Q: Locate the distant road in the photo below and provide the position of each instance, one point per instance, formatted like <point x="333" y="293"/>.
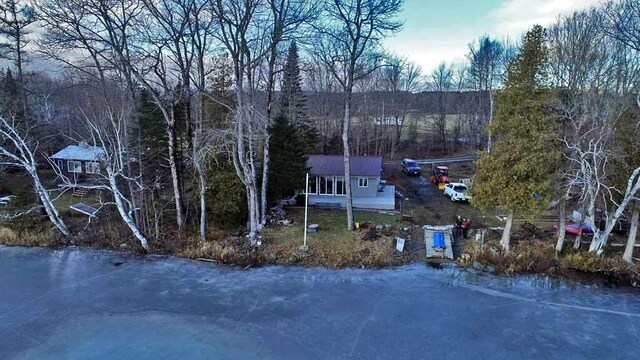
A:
<point x="440" y="160"/>
<point x="449" y="159"/>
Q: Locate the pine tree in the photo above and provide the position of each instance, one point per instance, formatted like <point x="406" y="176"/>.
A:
<point x="293" y="101"/>
<point x="16" y="18"/>
<point x="288" y="160"/>
<point x="9" y="95"/>
<point x="153" y="137"/>
<point x="515" y="176"/>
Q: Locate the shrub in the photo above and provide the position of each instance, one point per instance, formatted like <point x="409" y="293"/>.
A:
<point x="7" y="236"/>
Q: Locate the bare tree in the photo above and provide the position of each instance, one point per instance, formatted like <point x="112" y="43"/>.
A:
<point x="399" y="78"/>
<point x="286" y="17"/>
<point x="118" y="37"/>
<point x="350" y="48"/>
<point x="486" y="60"/>
<point x="16" y="150"/>
<point x="633" y="232"/>
<point x="240" y="34"/>
<point x="442" y="84"/>
<point x="594" y="73"/>
<point x="622" y="22"/>
<point x="106" y="114"/>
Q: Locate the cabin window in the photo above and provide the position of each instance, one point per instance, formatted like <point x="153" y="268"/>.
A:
<point x="74" y="166"/>
<point x="340" y="188"/>
<point x="313" y="185"/>
<point x="93" y="167"/>
<point x="326" y="185"/>
<point x="363" y="182"/>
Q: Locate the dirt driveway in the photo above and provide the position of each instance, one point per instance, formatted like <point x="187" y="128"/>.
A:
<point x="428" y="205"/>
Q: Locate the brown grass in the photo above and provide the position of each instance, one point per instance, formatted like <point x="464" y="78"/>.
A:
<point x="47" y="237"/>
<point x="540" y="257"/>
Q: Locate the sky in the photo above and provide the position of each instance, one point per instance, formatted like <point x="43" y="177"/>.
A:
<point x="440" y="30"/>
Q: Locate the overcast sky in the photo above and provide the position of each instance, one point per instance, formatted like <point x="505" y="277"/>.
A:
<point x="439" y="30"/>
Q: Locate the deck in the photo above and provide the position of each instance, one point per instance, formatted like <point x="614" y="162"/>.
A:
<point x="433" y="252"/>
<point x="385" y="200"/>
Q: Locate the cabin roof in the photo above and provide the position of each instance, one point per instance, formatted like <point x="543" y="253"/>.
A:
<point x="82" y="153"/>
<point x="334" y="165"/>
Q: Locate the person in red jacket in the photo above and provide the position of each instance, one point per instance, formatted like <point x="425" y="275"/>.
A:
<point x="466" y="223"/>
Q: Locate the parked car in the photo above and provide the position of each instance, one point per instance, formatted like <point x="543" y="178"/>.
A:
<point x="457" y="192"/>
<point x="411" y="167"/>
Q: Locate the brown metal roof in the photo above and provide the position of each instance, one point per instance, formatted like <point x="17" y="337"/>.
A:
<point x="334" y="165"/>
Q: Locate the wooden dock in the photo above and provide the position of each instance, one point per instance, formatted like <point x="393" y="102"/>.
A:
<point x="437" y="252"/>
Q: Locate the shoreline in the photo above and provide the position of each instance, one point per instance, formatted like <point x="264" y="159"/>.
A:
<point x="567" y="275"/>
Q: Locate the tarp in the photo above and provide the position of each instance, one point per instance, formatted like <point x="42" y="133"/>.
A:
<point x="438" y="239"/>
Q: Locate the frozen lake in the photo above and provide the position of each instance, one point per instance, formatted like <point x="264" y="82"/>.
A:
<point x="80" y="303"/>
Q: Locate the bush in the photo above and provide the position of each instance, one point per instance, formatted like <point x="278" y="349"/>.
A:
<point x="582" y="261"/>
<point x="8" y="236"/>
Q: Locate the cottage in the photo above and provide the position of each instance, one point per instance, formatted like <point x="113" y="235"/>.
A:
<point x="79" y="163"/>
<point x="327" y="186"/>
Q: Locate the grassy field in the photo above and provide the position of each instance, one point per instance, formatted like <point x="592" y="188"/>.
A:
<point x="423" y="124"/>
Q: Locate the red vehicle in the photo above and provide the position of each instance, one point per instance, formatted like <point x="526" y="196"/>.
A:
<point x="574" y="229"/>
<point x="440" y="175"/>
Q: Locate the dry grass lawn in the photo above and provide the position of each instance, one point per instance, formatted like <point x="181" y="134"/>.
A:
<point x="334" y="245"/>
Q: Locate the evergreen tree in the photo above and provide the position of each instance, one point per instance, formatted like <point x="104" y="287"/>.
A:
<point x="293" y="101"/>
<point x="226" y="196"/>
<point x="9" y="95"/>
<point x="515" y="176"/>
<point x="16" y="18"/>
<point x="153" y="137"/>
<point x="288" y="160"/>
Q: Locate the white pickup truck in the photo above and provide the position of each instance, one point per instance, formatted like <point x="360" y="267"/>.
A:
<point x="457" y="192"/>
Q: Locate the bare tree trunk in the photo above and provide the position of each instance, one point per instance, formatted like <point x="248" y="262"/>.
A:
<point x="177" y="195"/>
<point x="633" y="232"/>
<point x="347" y="159"/>
<point x="601" y="237"/>
<point x="576" y="242"/>
<point x="23" y="156"/>
<point x="490" y="120"/>
<point x="125" y="214"/>
<point x="265" y="181"/>
<point x="506" y="233"/>
<point x="203" y="203"/>
<point x="49" y="207"/>
<point x="562" y="218"/>
<point x="254" y="214"/>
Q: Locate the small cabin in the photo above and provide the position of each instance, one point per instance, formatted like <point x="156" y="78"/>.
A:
<point x="327" y="183"/>
<point x="79" y="163"/>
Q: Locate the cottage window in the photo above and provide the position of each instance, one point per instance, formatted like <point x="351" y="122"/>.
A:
<point x="340" y="188"/>
<point x="93" y="167"/>
<point x="74" y="166"/>
<point x="313" y="185"/>
<point x="363" y="182"/>
<point x="326" y="185"/>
